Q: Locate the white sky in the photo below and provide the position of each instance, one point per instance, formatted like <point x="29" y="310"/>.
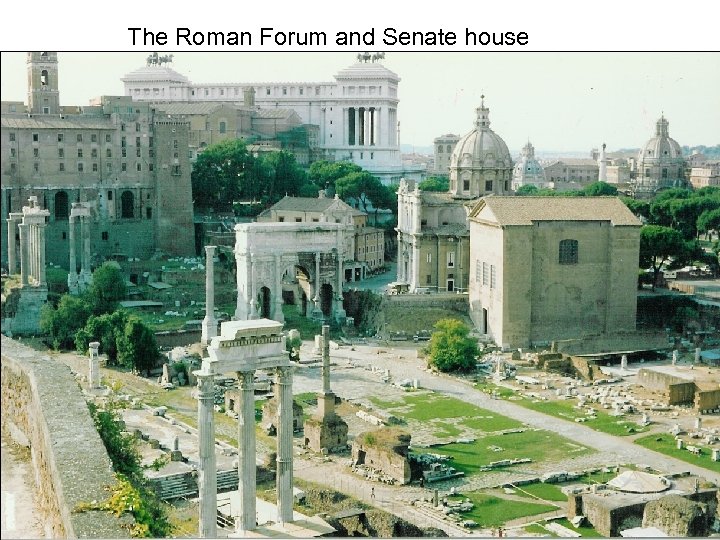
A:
<point x="561" y="101"/>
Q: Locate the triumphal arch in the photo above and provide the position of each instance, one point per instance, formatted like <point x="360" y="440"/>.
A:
<point x="270" y="256"/>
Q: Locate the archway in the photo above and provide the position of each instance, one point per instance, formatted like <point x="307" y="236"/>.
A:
<point x="62" y="206"/>
<point x="127" y="205"/>
<point x="264" y="302"/>
<point x="326" y="297"/>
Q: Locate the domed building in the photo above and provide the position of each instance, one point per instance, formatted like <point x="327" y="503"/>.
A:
<point x="528" y="171"/>
<point x="480" y="163"/>
<point x="433" y="230"/>
<point x="660" y="163"/>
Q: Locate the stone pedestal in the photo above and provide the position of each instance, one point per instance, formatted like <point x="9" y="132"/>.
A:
<point x="94" y="371"/>
<point x="27" y="316"/>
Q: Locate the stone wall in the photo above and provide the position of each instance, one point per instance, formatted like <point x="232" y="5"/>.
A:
<point x="613" y="342"/>
<point x="385" y="450"/>
<point x="456" y="302"/>
<point x="41" y="398"/>
<point x="706" y="400"/>
<point x="678" y="517"/>
<point x="177" y="338"/>
<point x="679" y="393"/>
<point x="657" y="380"/>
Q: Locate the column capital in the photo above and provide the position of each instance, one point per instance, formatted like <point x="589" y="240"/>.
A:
<point x="210" y="250"/>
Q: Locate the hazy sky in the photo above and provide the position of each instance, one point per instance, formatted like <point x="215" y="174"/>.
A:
<point x="560" y="101"/>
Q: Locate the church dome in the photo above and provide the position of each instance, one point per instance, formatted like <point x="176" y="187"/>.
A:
<point x="482" y="147"/>
<point x="660" y="162"/>
<point x="155" y="73"/>
<point x="528" y="170"/>
<point x="661" y="147"/>
<point x="480" y="163"/>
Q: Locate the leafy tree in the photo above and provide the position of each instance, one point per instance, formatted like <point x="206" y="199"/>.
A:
<point x="365" y="188"/>
<point x="451" y="348"/>
<point x="107" y="288"/>
<point x="285" y="176"/>
<point x="434" y="183"/>
<point x="106" y="329"/>
<point x="62" y="323"/>
<point x="659" y="245"/>
<point x="137" y="346"/>
<point x="527" y="189"/>
<point x="219" y="172"/>
<point x="600" y="189"/>
<point x="640" y="208"/>
<point x="324" y="174"/>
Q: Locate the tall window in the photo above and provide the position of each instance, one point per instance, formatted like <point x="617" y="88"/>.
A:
<point x="451" y="259"/>
<point x="127" y="205"/>
<point x="568" y="252"/>
<point x="492" y="276"/>
<point x="485" y="274"/>
<point x="62" y="205"/>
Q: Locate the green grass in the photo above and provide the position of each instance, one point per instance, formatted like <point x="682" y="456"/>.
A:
<point x="445" y="430"/>
<point x="585" y="531"/>
<point x="665" y="444"/>
<point x="489" y="388"/>
<point x="381" y="403"/>
<point x="604" y="422"/>
<point x="536" y="445"/>
<point x="534" y="528"/>
<point x="491" y="511"/>
<point x="546" y="492"/>
<point x="308" y="328"/>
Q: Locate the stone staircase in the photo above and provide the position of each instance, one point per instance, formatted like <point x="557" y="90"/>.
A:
<point x="183" y="485"/>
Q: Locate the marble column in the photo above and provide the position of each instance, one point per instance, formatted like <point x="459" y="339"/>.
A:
<point x="207" y="479"/>
<point x="209" y="324"/>
<point x="326" y="358"/>
<point x="42" y="279"/>
<point x="24" y="263"/>
<point x="94" y="372"/>
<point x="12" y="245"/>
<point x="278" y="312"/>
<point x="72" y="265"/>
<point x="284" y="473"/>
<point x="246" y="519"/>
<point x="252" y="311"/>
<point x="86" y="271"/>
<point x="339" y="310"/>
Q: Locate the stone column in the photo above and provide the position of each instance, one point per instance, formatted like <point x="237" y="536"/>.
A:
<point x="339" y="311"/>
<point x="209" y="324"/>
<point x="41" y="254"/>
<point x="207" y="479"/>
<point x="623" y="362"/>
<point x="674" y="357"/>
<point x="284" y="473"/>
<point x="278" y="312"/>
<point x="326" y="358"/>
<point x="72" y="265"/>
<point x="24" y="263"/>
<point x="94" y="375"/>
<point x="252" y="313"/>
<point x="87" y="273"/>
<point x="698" y="350"/>
<point x="246" y="519"/>
<point x="11" y="244"/>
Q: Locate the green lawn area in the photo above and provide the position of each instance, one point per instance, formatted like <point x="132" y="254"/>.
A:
<point x="308" y="328"/>
<point x="534" y="528"/>
<point x="665" y="444"/>
<point x="491" y="511"/>
<point x="585" y="531"/>
<point x="489" y="387"/>
<point x="566" y="410"/>
<point x="536" y="445"/>
<point x="424" y="406"/>
<point x="547" y="492"/>
<point x="445" y="430"/>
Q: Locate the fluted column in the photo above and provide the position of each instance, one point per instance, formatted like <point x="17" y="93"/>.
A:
<point x="12" y="245"/>
<point x="86" y="245"/>
<point x="209" y="324"/>
<point x="252" y="309"/>
<point x="24" y="263"/>
<point x="246" y="519"/>
<point x="284" y="483"/>
<point x="207" y="480"/>
<point x="41" y="254"/>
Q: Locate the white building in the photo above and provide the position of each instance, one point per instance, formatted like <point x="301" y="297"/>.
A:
<point x="356" y="113"/>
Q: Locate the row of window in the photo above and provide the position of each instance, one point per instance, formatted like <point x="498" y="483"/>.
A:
<point x="12" y="137"/>
<point x="485" y="274"/>
<point x="450" y="258"/>
<point x="127" y="206"/>
<point x="96" y="167"/>
<point x="93" y="153"/>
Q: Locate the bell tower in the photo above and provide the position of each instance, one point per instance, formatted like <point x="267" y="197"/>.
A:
<point x="43" y="88"/>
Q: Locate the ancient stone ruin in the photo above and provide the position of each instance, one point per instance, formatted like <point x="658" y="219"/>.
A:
<point x="383" y="455"/>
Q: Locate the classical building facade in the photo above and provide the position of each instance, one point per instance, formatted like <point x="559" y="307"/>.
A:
<point x="122" y="160"/>
<point x="571" y="173"/>
<point x="660" y="163"/>
<point x="707" y="175"/>
<point x="356" y="113"/>
<point x="528" y="171"/>
<point x="443" y="147"/>
<point x="552" y="268"/>
<point x="433" y="230"/>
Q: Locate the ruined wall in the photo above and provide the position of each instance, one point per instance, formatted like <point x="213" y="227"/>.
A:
<point x="610" y="521"/>
<point x="656" y="380"/>
<point x="385" y="450"/>
<point x="706" y="400"/>
<point x="620" y="341"/>
<point x="43" y="400"/>
<point x="683" y="392"/>
<point x="177" y="338"/>
<point x="678" y="516"/>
